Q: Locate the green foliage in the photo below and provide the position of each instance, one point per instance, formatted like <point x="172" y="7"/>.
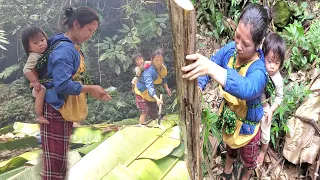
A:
<point x="291" y="101"/>
<point x="140" y="27"/>
<point x="215" y="15"/>
<point x="304" y="45"/>
<point x="122" y="106"/>
<point x="300" y="11"/>
<point x="9" y="70"/>
<point x="16" y="102"/>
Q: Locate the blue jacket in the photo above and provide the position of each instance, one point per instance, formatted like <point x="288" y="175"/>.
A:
<point x="63" y="62"/>
<point x="249" y="88"/>
<point x="146" y="80"/>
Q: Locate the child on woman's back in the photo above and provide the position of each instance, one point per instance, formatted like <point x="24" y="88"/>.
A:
<point x="34" y="41"/>
<point x="140" y="66"/>
<point x="274" y="49"/>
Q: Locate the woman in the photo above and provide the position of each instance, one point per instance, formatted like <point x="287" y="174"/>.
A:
<point x="240" y="71"/>
<point x="146" y="97"/>
<point x="66" y="94"/>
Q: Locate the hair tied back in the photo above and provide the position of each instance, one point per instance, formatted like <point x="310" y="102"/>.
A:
<point x="69" y="12"/>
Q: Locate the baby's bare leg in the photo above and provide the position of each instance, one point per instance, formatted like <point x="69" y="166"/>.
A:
<point x="39" y="106"/>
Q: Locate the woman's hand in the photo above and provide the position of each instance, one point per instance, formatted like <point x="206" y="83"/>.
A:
<point x="168" y="91"/>
<point x="202" y="66"/>
<point x="159" y="101"/>
<point x="99" y="93"/>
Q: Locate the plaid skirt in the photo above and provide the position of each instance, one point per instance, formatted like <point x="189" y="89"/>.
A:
<point x="146" y="107"/>
<point x="248" y="153"/>
<point x="55" y="138"/>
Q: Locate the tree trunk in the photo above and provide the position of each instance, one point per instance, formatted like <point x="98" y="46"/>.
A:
<point x="183" y="20"/>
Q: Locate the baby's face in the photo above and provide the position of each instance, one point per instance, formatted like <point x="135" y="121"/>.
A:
<point x="272" y="63"/>
<point x="139" y="61"/>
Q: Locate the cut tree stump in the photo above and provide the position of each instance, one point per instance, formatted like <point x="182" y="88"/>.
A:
<point x="183" y="21"/>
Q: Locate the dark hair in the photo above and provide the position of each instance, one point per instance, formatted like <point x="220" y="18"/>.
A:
<point x="30" y="32"/>
<point x="275" y="43"/>
<point x="258" y="17"/>
<point x="84" y="15"/>
<point x="156" y="53"/>
<point x="136" y="56"/>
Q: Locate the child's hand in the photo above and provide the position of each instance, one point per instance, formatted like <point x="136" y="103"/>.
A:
<point x="36" y="85"/>
<point x="159" y="101"/>
<point x="269" y="117"/>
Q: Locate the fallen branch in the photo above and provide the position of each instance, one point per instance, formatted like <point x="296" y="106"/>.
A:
<point x="308" y="120"/>
<point x="273" y="166"/>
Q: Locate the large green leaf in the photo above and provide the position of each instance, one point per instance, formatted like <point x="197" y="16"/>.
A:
<point x="11" y="173"/>
<point x="179" y="151"/>
<point x="131" y="121"/>
<point x="164" y="145"/>
<point x="121" y="148"/>
<point x="146" y="169"/>
<point x="121" y="172"/>
<point x="13" y="164"/>
<point x="27" y="156"/>
<point x="178" y="172"/>
<point x="86" y="149"/>
<point x="26" y="128"/>
<point x="6" y="129"/>
<point x="34" y="171"/>
<point x="19" y="143"/>
<point x="86" y="135"/>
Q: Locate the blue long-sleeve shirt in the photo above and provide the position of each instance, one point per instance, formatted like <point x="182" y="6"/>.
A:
<point x="146" y="80"/>
<point x="249" y="88"/>
<point x="63" y="62"/>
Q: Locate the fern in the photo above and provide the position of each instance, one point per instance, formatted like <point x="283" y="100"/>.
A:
<point x="9" y="70"/>
<point x="313" y="34"/>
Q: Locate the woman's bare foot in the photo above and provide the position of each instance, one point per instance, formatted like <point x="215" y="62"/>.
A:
<point x="42" y="119"/>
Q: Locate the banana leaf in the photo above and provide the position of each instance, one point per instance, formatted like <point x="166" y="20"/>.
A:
<point x="13" y="172"/>
<point x="26" y="128"/>
<point x="179" y="151"/>
<point x="131" y="121"/>
<point x="13" y="164"/>
<point x="6" y="129"/>
<point x="164" y="145"/>
<point x="19" y="143"/>
<point x="179" y="169"/>
<point x="34" y="171"/>
<point x="86" y="135"/>
<point x="121" y="148"/>
<point x="18" y="161"/>
<point x="146" y="169"/>
<point x="121" y="172"/>
<point x="86" y="149"/>
<point x="27" y="156"/>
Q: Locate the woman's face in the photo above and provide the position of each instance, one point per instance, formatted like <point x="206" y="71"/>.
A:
<point x="244" y="43"/>
<point x="157" y="61"/>
<point x="84" y="33"/>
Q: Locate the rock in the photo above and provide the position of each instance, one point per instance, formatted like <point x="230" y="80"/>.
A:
<point x="282" y="13"/>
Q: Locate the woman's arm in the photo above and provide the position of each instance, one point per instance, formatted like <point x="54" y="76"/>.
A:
<point x="62" y="71"/>
<point x="248" y="87"/>
<point x="218" y="59"/>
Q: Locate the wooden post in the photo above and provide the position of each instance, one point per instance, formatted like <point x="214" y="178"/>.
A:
<point x="183" y="21"/>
